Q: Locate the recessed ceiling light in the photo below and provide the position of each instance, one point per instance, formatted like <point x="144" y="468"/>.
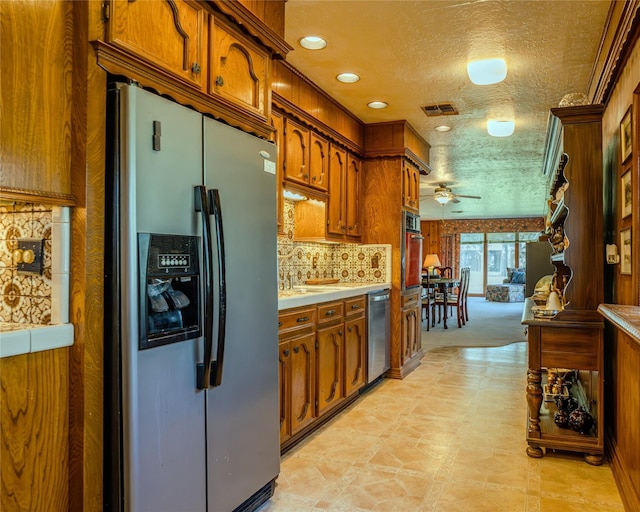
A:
<point x="488" y="71"/>
<point x="442" y="128"/>
<point x="377" y="104"/>
<point x="313" y="43"/>
<point x="499" y="128"/>
<point x="348" y="78"/>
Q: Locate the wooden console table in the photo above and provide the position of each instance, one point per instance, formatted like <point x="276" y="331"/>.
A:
<point x="572" y="340"/>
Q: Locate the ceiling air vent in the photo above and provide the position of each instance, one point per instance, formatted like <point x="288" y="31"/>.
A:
<point x="443" y="109"/>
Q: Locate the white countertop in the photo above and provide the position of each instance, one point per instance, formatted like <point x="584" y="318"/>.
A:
<point x="313" y="294"/>
<point x="16" y="339"/>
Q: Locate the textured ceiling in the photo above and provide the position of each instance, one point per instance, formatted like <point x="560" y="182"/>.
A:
<point x="414" y="53"/>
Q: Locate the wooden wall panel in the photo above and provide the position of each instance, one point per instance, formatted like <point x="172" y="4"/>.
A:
<point x="34" y="430"/>
<point x="431" y="232"/>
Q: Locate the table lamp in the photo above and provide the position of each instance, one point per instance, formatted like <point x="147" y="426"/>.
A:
<point x="430" y="262"/>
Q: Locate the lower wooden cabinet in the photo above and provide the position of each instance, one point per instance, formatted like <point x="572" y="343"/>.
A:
<point x="330" y="368"/>
<point x="322" y="356"/>
<point x="411" y="343"/>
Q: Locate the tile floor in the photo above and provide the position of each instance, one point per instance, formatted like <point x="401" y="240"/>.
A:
<point x="449" y="437"/>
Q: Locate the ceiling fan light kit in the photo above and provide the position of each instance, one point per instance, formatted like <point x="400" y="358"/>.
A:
<point x="487" y="71"/>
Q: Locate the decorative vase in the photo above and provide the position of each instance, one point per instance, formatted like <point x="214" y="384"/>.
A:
<point x="561" y="418"/>
<point x="566" y="403"/>
<point x="580" y="420"/>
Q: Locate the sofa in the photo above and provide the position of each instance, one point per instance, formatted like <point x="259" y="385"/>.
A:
<point x="511" y="289"/>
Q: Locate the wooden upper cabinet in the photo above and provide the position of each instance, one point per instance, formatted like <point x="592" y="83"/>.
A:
<point x="306" y="160"/>
<point x="35" y="101"/>
<point x="410" y="187"/>
<point x="336" y="215"/>
<point x="239" y="69"/>
<point x="169" y="34"/>
<point x="318" y="161"/>
<point x="353" y="193"/>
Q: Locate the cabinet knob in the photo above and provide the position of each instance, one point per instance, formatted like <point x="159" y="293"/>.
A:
<point x="219" y="81"/>
<point x="195" y="68"/>
<point x="286" y="352"/>
<point x="296" y="349"/>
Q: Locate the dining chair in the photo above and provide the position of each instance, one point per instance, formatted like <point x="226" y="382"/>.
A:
<point x="457" y="301"/>
<point x="428" y="299"/>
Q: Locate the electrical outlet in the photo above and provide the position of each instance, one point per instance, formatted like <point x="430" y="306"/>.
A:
<point x="374" y="262"/>
<point x="30" y="255"/>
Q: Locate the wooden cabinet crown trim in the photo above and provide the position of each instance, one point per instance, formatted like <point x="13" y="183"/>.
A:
<point x="287" y="108"/>
<point x="37" y="196"/>
<point x="119" y="62"/>
<point x="253" y="26"/>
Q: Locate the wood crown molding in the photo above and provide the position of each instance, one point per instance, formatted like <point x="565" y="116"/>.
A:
<point x="253" y="26"/>
<point x="621" y="31"/>
<point x="115" y="61"/>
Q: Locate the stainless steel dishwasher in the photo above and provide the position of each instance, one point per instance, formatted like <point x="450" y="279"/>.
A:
<point x="378" y="312"/>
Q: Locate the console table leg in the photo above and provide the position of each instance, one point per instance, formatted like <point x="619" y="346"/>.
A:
<point x="535" y="452"/>
<point x="534" y="400"/>
<point x="594" y="460"/>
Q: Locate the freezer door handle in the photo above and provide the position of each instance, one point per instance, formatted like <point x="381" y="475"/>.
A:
<point x="216" y="211"/>
<point x="202" y="206"/>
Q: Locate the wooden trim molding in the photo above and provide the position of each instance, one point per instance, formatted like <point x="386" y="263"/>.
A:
<point x="253" y="26"/>
<point x="621" y="31"/>
<point x="118" y="62"/>
<point x="36" y="196"/>
<point x="625" y="318"/>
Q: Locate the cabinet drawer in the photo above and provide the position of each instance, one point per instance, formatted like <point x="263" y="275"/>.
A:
<point x="330" y="312"/>
<point x="570" y="348"/>
<point x="293" y="320"/>
<point x="355" y="306"/>
<point x="410" y="300"/>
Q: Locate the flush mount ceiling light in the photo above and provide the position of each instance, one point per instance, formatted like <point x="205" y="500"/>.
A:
<point x="313" y="43"/>
<point x="348" y="78"/>
<point x="487" y="72"/>
<point x="442" y="128"/>
<point x="377" y="104"/>
<point x="498" y="128"/>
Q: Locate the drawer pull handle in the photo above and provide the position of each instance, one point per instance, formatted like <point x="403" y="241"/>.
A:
<point x="355" y="306"/>
<point x="331" y="312"/>
<point x="302" y="319"/>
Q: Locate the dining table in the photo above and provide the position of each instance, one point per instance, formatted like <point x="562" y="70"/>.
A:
<point x="443" y="285"/>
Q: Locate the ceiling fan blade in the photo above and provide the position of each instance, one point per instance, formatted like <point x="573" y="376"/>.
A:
<point x="454" y="200"/>
<point x="468" y="197"/>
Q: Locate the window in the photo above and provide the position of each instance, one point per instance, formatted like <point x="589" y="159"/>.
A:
<point x="489" y="254"/>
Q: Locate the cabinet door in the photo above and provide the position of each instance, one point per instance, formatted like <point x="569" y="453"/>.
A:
<point x="329" y="357"/>
<point x="336" y="224"/>
<point x="284" y="390"/>
<point x="318" y="161"/>
<point x="35" y="99"/>
<point x="169" y="34"/>
<point x="354" y="355"/>
<point x="296" y="158"/>
<point x="302" y="367"/>
<point x="354" y="185"/>
<point x="277" y="121"/>
<point x="239" y="69"/>
<point x="410" y="336"/>
<point x="410" y="186"/>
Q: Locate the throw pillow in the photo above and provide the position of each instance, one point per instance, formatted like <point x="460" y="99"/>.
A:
<point x="518" y="278"/>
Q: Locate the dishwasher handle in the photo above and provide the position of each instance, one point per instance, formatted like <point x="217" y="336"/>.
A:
<point x="376" y="298"/>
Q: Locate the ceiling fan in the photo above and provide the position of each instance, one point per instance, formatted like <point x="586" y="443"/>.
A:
<point x="443" y="194"/>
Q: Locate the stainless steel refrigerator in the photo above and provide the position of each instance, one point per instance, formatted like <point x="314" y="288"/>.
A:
<point x="191" y="355"/>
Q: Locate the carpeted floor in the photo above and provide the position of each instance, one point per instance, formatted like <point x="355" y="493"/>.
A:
<point x="491" y="324"/>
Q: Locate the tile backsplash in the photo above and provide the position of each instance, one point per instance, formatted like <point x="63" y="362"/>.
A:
<point x="351" y="263"/>
<point x="33" y="298"/>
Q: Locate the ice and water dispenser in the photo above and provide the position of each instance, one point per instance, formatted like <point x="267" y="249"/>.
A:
<point x="169" y="289"/>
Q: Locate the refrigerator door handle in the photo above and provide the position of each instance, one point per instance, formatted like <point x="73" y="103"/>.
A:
<point x="216" y="211"/>
<point x="204" y="368"/>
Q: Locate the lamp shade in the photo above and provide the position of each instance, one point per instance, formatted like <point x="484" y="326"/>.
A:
<point x="431" y="260"/>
